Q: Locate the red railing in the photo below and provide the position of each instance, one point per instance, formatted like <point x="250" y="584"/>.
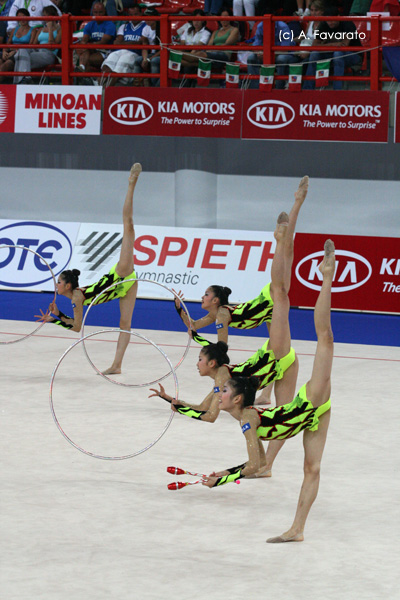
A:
<point x="373" y="45"/>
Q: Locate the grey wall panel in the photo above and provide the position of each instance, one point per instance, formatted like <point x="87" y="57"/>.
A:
<point x="219" y="156"/>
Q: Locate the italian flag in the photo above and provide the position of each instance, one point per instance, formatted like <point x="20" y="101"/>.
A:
<point x="174" y="64"/>
<point x="203" y="72"/>
<point x="267" y="77"/>
<point x="322" y="73"/>
<point x="232" y="75"/>
<point x="295" y="77"/>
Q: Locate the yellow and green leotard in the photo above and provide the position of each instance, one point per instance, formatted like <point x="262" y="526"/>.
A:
<point x="289" y="419"/>
<point x="92" y="291"/>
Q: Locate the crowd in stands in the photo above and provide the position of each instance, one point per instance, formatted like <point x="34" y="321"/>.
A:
<point x="192" y="33"/>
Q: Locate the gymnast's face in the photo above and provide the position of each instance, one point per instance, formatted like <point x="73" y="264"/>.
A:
<point x="204" y="366"/>
<point x="208" y="300"/>
<point x="226" y="398"/>
<point x="62" y="287"/>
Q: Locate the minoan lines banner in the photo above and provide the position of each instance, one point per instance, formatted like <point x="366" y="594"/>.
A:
<point x="50" y="109"/>
<point x="311" y="115"/>
<point x="174" y="112"/>
<point x="367" y="276"/>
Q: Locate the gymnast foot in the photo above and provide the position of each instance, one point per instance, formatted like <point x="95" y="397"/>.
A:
<point x="286" y="537"/>
<point x="263" y="472"/>
<point x="265" y="397"/>
<point x="281" y="226"/>
<point x="136" y="169"/>
<point x="327" y="267"/>
<point x="112" y="371"/>
<point x="302" y="190"/>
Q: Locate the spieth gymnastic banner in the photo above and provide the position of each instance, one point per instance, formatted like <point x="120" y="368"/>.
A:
<point x="21" y="267"/>
<point x="181" y="258"/>
<point x="58" y="109"/>
<point x="397" y="118"/>
<point x="7" y="108"/>
<point x="367" y="274"/>
<point x="172" y="112"/>
<point x="312" y="115"/>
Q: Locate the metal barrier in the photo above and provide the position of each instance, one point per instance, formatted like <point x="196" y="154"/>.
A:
<point x="373" y="46"/>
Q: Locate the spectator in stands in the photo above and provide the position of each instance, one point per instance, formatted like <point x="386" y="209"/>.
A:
<point x="115" y="6"/>
<point x="102" y="32"/>
<point x="4" y="11"/>
<point x="282" y="61"/>
<point x="195" y="33"/>
<point x="34" y="7"/>
<point x="213" y="7"/>
<point x="22" y="34"/>
<point x="301" y="11"/>
<point x="123" y="61"/>
<point x="246" y="6"/>
<point x="360" y="7"/>
<point x="28" y="60"/>
<point x="226" y="35"/>
<point x="283" y="37"/>
<point x="150" y="58"/>
<point x="346" y="36"/>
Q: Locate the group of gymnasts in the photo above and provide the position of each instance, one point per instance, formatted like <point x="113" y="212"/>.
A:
<point x="235" y="386"/>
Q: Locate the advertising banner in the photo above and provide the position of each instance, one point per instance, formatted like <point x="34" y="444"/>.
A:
<point x="367" y="276"/>
<point x="181" y="258"/>
<point x="58" y="109"/>
<point x="397" y="118"/>
<point x="324" y="116"/>
<point x="172" y="112"/>
<point x="7" y="108"/>
<point x="21" y="269"/>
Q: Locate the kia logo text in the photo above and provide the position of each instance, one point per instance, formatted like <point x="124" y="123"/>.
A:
<point x="270" y="114"/>
<point x="351" y="271"/>
<point x="131" y="111"/>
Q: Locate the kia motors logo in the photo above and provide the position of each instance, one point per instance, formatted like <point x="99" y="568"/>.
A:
<point x="130" y="111"/>
<point x="21" y="268"/>
<point x="270" y="114"/>
<point x="3" y="107"/>
<point x="352" y="271"/>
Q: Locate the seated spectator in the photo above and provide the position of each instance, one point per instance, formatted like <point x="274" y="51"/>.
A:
<point x="123" y="61"/>
<point x="27" y="60"/>
<point x="226" y="35"/>
<point x="255" y="59"/>
<point x="101" y="33"/>
<point x="317" y="8"/>
<point x="341" y="60"/>
<point x="35" y="9"/>
<point x="4" y="11"/>
<point x="150" y="58"/>
<point x="22" y="34"/>
<point x="193" y="33"/>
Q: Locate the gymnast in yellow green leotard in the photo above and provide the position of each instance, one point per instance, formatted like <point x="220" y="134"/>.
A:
<point x="68" y="284"/>
<point x="246" y="315"/>
<point x="308" y="412"/>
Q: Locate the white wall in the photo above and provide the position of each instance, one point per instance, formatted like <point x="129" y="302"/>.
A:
<point x="200" y="199"/>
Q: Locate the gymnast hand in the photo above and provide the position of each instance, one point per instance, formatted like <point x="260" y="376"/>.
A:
<point x="161" y="394"/>
<point x="210" y="481"/>
<point x="181" y="297"/>
<point x="54" y="309"/>
<point x="44" y="317"/>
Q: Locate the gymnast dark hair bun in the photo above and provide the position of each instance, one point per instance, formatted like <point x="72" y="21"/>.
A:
<point x="247" y="386"/>
<point x="76" y="272"/>
<point x="217" y="352"/>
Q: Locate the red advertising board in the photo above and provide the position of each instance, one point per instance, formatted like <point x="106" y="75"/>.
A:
<point x="311" y="115"/>
<point x="173" y="112"/>
<point x="397" y="118"/>
<point x="367" y="276"/>
<point x="7" y="108"/>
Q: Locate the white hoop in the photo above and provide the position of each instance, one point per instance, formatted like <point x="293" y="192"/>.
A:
<point x="75" y="445"/>
<point x="55" y="291"/>
<point x="150" y="382"/>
